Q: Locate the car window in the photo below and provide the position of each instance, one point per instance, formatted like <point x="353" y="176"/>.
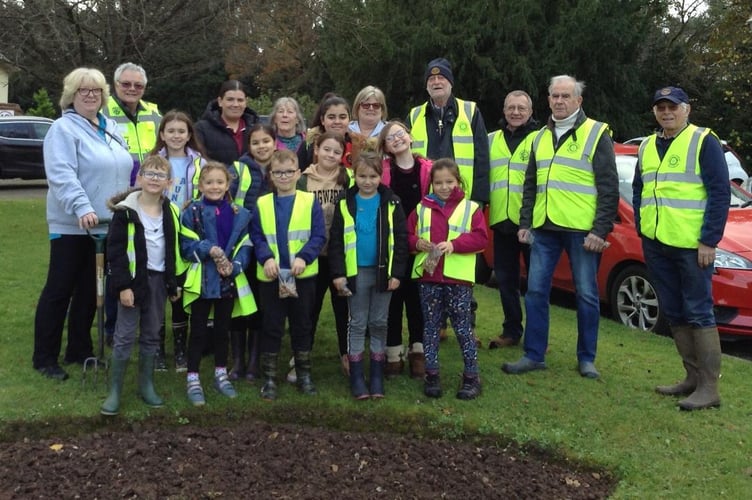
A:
<point x="40" y="129"/>
<point x="15" y="130"/>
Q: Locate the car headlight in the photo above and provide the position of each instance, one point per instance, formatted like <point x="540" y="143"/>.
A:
<point x="731" y="260"/>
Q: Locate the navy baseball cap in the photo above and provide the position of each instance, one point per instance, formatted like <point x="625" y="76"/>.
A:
<point x="673" y="94"/>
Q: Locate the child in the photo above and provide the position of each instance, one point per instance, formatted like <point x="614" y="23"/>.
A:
<point x="447" y="231"/>
<point x="214" y="238"/>
<point x="327" y="179"/>
<point x="288" y="233"/>
<point x="177" y="143"/>
<point x="409" y="177"/>
<point x="141" y="251"/>
<point x="244" y="332"/>
<point x="367" y="256"/>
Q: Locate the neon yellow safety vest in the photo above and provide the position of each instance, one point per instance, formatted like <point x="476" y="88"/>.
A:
<point x="507" y="176"/>
<point x="244" y="304"/>
<point x="244" y="184"/>
<point x="180" y="265"/>
<point x="140" y="136"/>
<point x="462" y="139"/>
<point x="298" y="232"/>
<point x="459" y="266"/>
<point x="350" y="238"/>
<point x="566" y="191"/>
<point x="673" y="195"/>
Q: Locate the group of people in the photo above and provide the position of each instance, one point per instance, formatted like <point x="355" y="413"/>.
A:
<point x="244" y="226"/>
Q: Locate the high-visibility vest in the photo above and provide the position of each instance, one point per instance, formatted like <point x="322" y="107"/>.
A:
<point x="140" y="136"/>
<point x="298" y="232"/>
<point x="244" y="180"/>
<point x="244" y="304"/>
<point x="462" y="139"/>
<point x="566" y="191"/>
<point x="507" y="176"/>
<point x="673" y="195"/>
<point x="459" y="266"/>
<point x="350" y="239"/>
<point x="130" y="249"/>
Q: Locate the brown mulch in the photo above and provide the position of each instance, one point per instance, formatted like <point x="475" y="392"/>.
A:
<point x="260" y="460"/>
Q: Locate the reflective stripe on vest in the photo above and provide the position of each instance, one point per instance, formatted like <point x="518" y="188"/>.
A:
<point x="673" y="195"/>
<point x="130" y="249"/>
<point x="181" y="265"/>
<point x="350" y="239"/>
<point x="196" y="194"/>
<point x="507" y="176"/>
<point x="462" y="139"/>
<point x="458" y="266"/>
<point x="566" y="191"/>
<point x="244" y="181"/>
<point x="140" y="136"/>
<point x="298" y="232"/>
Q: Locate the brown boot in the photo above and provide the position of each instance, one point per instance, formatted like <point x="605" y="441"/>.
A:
<point x="417" y="364"/>
<point x="708" y="352"/>
<point x="685" y="344"/>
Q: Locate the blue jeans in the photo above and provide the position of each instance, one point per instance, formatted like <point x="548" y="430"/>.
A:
<point x="683" y="287"/>
<point x="544" y="255"/>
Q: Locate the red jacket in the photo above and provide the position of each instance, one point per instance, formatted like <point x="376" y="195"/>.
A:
<point x="472" y="242"/>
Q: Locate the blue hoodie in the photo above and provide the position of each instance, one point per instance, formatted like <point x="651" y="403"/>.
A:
<point x="84" y="170"/>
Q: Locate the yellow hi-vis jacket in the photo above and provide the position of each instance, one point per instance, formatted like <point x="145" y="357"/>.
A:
<point x="507" y="176"/>
<point x="140" y="136"/>
<point x="566" y="192"/>
<point x="458" y="266"/>
<point x="350" y="239"/>
<point x="180" y="265"/>
<point x="673" y="195"/>
<point x="298" y="232"/>
<point x="462" y="139"/>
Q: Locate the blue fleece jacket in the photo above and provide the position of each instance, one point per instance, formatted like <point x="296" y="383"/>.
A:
<point x="84" y="168"/>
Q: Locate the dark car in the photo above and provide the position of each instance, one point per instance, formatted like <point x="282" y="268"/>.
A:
<point x="21" y="139"/>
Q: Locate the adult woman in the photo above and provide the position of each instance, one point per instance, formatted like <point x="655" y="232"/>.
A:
<point x="226" y="123"/>
<point x="86" y="161"/>
<point x="289" y="126"/>
<point x="369" y="111"/>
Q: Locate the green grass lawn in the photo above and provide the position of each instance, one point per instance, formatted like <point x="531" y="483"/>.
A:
<point x="617" y="422"/>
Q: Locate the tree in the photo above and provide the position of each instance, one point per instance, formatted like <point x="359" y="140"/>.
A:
<point x="42" y="105"/>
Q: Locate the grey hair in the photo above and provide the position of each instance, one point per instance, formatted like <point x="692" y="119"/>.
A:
<point x="519" y="93"/>
<point x="288" y="101"/>
<point x="129" y="66"/>
<point x="579" y="86"/>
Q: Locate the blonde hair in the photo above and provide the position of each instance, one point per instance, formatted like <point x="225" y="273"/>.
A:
<point x="73" y="81"/>
<point x="365" y="93"/>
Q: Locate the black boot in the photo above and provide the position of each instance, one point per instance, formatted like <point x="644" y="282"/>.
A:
<point x="470" y="388"/>
<point x="432" y="385"/>
<point x="303" y="370"/>
<point x="269" y="370"/>
<point x="180" y="334"/>
<point x="357" y="380"/>
<point x="252" y="369"/>
<point x="237" y="346"/>
<point x="160" y="360"/>
<point x="377" y="375"/>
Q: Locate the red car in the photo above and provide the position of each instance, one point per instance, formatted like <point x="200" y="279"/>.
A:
<point x="623" y="280"/>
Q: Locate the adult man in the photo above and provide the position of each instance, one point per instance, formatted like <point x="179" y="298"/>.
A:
<point x="448" y="127"/>
<point x="509" y="152"/>
<point x="569" y="198"/>
<point x="138" y="120"/>
<point x="681" y="201"/>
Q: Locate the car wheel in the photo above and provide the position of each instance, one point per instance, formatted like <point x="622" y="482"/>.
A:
<point x="634" y="301"/>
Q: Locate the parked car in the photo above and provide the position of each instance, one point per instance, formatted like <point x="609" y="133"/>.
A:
<point x="21" y="139"/>
<point x="737" y="173"/>
<point x="627" y="289"/>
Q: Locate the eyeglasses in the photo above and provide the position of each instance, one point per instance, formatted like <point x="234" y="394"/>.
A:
<point x="521" y="109"/>
<point x="135" y="85"/>
<point x="155" y="176"/>
<point x="370" y="105"/>
<point x="279" y="174"/>
<point x="83" y="92"/>
<point x="397" y="135"/>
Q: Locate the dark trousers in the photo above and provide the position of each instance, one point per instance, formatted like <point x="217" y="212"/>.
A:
<point x="71" y="289"/>
<point x="200" y="333"/>
<point x="405" y="298"/>
<point x="507" y="250"/>
<point x="298" y="311"/>
<point x="339" y="304"/>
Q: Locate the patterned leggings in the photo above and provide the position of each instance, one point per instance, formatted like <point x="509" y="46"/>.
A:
<point x="454" y="300"/>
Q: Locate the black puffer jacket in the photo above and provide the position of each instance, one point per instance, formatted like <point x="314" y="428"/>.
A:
<point x="217" y="139"/>
<point x="123" y="208"/>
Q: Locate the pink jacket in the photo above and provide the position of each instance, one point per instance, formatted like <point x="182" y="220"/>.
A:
<point x="425" y="173"/>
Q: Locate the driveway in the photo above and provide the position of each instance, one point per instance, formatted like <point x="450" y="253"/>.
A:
<point x="14" y="189"/>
